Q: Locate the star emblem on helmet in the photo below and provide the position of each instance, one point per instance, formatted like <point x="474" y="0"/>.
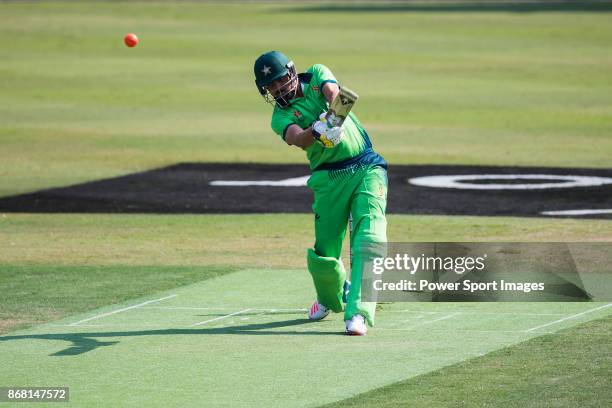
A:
<point x="266" y="70"/>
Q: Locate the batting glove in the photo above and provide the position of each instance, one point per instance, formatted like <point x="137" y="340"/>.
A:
<point x="333" y="120"/>
<point x="328" y="136"/>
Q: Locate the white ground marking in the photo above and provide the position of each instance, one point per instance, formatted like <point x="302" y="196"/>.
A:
<point x="578" y="212"/>
<point x="164" y="326"/>
<point x="121" y="310"/>
<point x="568" y="317"/>
<point x="558" y="181"/>
<point x="219" y="318"/>
<point x="419" y="322"/>
<point x="290" y="182"/>
<point x="447" y="330"/>
<point x="224" y="308"/>
<point x="413" y="311"/>
<point x="479" y="313"/>
<point x="186" y="308"/>
<point x="435" y="320"/>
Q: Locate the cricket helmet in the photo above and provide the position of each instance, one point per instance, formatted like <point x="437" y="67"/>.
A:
<point x="270" y="67"/>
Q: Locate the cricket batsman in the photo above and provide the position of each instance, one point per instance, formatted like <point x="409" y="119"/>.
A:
<point x="348" y="177"/>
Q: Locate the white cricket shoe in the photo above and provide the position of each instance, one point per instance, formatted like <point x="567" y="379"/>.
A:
<point x="317" y="311"/>
<point x="356" y="326"/>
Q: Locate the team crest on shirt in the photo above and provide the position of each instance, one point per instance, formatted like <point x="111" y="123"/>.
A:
<point x="315" y="88"/>
<point x="298" y="115"/>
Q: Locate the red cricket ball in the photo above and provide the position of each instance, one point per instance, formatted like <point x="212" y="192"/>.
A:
<point x="130" y="40"/>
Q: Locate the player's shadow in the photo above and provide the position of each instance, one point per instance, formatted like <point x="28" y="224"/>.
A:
<point x="467" y="6"/>
<point x="85" y="342"/>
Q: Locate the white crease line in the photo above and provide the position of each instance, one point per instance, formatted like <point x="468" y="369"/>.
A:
<point x="128" y="325"/>
<point x="423" y="323"/>
<point x="162" y="326"/>
<point x="479" y="313"/>
<point x="121" y="310"/>
<point x="412" y="311"/>
<point x="455" y="330"/>
<point x="272" y="309"/>
<point x="219" y="318"/>
<point x="568" y="317"/>
<point x="438" y="319"/>
<point x="185" y="308"/>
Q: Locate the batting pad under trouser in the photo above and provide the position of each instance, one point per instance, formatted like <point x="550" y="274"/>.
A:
<point x="362" y="191"/>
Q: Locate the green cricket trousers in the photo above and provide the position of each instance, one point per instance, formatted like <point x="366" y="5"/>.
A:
<point x="362" y="191"/>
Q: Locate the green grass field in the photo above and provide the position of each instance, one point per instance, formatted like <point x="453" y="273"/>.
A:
<point x="207" y="310"/>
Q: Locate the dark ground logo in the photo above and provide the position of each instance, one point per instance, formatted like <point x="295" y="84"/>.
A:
<point x="271" y="188"/>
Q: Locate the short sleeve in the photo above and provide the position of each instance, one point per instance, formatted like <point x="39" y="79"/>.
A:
<point x="322" y="75"/>
<point x="280" y="122"/>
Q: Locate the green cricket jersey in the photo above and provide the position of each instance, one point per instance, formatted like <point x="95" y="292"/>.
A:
<point x="355" y="148"/>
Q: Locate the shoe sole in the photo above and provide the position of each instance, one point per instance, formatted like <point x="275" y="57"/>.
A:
<point x="354" y="333"/>
<point x="320" y="318"/>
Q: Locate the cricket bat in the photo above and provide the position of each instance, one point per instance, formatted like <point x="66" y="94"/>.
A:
<point x="341" y="106"/>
